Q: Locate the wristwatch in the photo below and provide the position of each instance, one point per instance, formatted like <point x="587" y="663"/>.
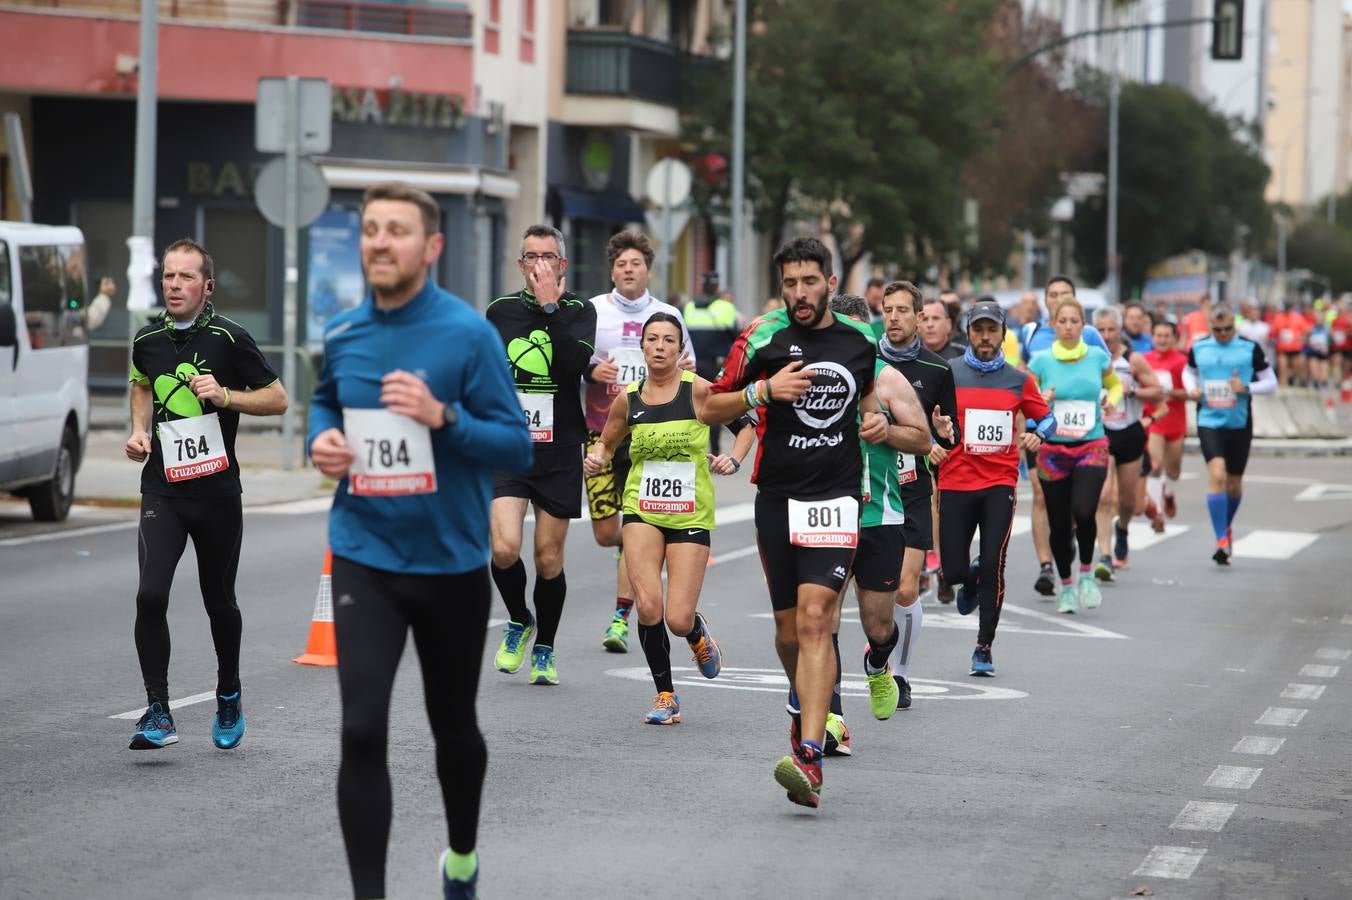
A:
<point x="449" y="416"/>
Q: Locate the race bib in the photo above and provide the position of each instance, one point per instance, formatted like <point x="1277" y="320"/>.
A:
<point x="192" y="448"/>
<point x="539" y="410"/>
<point x="633" y="367"/>
<point x="667" y="488"/>
<point x="1319" y="342"/>
<point x="1287" y="335"/>
<point x="1166" y="379"/>
<point x="987" y="430"/>
<point x="824" y="523"/>
<point x="1219" y="394"/>
<point x="906" y="472"/>
<point x="1074" y="418"/>
<point x="394" y="454"/>
<point x="1339" y="338"/>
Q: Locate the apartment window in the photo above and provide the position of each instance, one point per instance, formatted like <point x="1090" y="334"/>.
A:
<point x="492" y="26"/>
<point x="528" y="31"/>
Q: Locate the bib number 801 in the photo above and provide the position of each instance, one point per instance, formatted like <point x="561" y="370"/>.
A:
<point x="825" y="517"/>
<point x="387" y="452"/>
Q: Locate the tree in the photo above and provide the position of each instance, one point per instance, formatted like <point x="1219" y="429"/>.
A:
<point x="1186" y="182"/>
<point x="861" y="113"/>
<point x="1323" y="249"/>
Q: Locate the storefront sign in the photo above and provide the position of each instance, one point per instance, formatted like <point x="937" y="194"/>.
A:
<point x="334" y="277"/>
<point x="396" y="107"/>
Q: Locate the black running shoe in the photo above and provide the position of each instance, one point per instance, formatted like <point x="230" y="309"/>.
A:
<point x="904" y="686"/>
<point x="1046" y="582"/>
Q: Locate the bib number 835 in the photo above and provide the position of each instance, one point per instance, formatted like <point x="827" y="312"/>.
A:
<point x="387" y="452"/>
<point x="993" y="434"/>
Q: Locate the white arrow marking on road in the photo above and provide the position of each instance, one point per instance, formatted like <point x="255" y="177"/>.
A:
<point x="1332" y="653"/>
<point x="1259" y="746"/>
<point x="1203" y="815"/>
<point x="851" y="685"/>
<point x="1313" y="671"/>
<point x="1326" y="492"/>
<point x="135" y="714"/>
<point x="1237" y="778"/>
<point x="1267" y="544"/>
<point x="1170" y="862"/>
<point x="938" y="616"/>
<point x="1284" y="716"/>
<point x="1347" y="620"/>
<point x="1303" y="691"/>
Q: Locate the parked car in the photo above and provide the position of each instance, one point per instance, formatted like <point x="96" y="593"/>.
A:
<point x="44" y="364"/>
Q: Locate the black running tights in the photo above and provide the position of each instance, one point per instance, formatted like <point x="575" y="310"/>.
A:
<point x="961" y="513"/>
<point x="1072" y="503"/>
<point x="216" y="526"/>
<point x="373" y="612"/>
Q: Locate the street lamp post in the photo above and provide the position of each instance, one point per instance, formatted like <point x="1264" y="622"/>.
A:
<point x="735" y="249"/>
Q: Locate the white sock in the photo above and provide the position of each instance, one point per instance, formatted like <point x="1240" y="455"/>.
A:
<point x="908" y="619"/>
<point x="1154" y="487"/>
<point x="1173" y="487"/>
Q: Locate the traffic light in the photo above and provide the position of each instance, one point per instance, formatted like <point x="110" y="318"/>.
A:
<point x="1227" y="30"/>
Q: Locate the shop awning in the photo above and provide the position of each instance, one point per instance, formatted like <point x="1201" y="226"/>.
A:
<point x="600" y="206"/>
<point x="359" y="175"/>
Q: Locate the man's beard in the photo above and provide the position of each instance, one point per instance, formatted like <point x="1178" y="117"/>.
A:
<point x="818" y="314"/>
<point x="985" y="354"/>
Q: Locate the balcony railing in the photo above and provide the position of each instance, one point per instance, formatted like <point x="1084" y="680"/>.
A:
<point x="453" y="22"/>
<point x="619" y="64"/>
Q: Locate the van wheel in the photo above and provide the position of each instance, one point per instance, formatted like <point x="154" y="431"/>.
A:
<point x="50" y="501"/>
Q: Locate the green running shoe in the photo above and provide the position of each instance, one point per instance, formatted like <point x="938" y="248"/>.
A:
<point x="883" y="694"/>
<point x="542" y="669"/>
<point x="617" y="635"/>
<point x="512" y="650"/>
<point x="1090" y="595"/>
<point x="837" y="737"/>
<point x="1069" y="598"/>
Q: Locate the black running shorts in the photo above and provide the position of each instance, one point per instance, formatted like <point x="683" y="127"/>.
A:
<point x="672" y="535"/>
<point x="786" y="565"/>
<point x="919" y="528"/>
<point x="553" y="484"/>
<point x="877" y="565"/>
<point x="1126" y="445"/>
<point x="1230" y="444"/>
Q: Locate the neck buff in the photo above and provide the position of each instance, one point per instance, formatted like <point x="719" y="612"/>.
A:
<point x="1077" y="352"/>
<point x="982" y="365"/>
<point x="899" y="354"/>
<point x="631" y="306"/>
<point x="177" y="329"/>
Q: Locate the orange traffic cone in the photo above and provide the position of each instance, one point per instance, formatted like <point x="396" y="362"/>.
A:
<point x="322" y="648"/>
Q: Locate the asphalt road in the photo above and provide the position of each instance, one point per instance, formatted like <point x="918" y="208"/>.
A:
<point x="1104" y="757"/>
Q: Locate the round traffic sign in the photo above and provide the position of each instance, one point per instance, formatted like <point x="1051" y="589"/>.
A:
<point x="669" y="182"/>
<point x="270" y="192"/>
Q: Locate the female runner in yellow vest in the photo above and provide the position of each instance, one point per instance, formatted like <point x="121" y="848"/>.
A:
<point x="668" y="505"/>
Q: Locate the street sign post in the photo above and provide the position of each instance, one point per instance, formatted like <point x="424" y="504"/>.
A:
<point x="668" y="186"/>
<point x="303" y="106"/>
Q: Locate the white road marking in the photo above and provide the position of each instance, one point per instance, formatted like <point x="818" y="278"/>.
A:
<point x="1268" y="544"/>
<point x="1170" y="862"/>
<point x="135" y="714"/>
<point x="1140" y="535"/>
<point x="73" y="532"/>
<point x="1284" y="716"/>
<point x="1022" y="525"/>
<point x="1347" y="620"/>
<point x="294" y="507"/>
<point x="1259" y="746"/>
<point x="494" y="623"/>
<point x="1204" y="815"/>
<point x="739" y="553"/>
<point x="1296" y="691"/>
<point x="1236" y="670"/>
<point x="1238" y="778"/>
<point x="773" y="681"/>
<point x="1332" y="653"/>
<point x="1314" y="671"/>
<point x="1325" y="492"/>
<point x="940" y="616"/>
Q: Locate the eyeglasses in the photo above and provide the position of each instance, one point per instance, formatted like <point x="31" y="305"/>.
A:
<point x="533" y="258"/>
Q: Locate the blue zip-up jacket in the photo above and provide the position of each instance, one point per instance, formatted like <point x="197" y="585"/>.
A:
<point x="442" y="340"/>
<point x="1214" y="361"/>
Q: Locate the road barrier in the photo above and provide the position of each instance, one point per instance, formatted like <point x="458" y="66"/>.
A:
<point x="1290" y="413"/>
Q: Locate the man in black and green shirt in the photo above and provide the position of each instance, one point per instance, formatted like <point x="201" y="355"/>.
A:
<point x="193" y="372"/>
<point x="550" y="335"/>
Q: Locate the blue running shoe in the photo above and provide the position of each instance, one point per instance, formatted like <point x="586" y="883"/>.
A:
<point x="454" y="888"/>
<point x="967" y="599"/>
<point x="982" y="664"/>
<point x="707" y="654"/>
<point x="155" y="729"/>
<point x="227" y="729"/>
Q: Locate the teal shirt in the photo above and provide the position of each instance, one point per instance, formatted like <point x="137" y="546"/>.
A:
<point x="1081" y="380"/>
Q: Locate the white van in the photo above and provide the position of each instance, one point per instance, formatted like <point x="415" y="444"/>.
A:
<point x="44" y="364"/>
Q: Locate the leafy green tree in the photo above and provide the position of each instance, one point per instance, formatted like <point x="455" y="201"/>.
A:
<point x="1187" y="181"/>
<point x="1323" y="249"/>
<point x="860" y="113"/>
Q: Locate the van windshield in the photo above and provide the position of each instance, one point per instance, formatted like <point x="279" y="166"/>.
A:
<point x="4" y="274"/>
